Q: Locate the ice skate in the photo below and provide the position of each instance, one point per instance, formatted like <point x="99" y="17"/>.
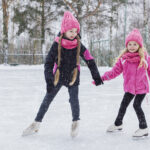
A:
<point x="140" y="133"/>
<point x="114" y="128"/>
<point x="32" y="129"/>
<point x="74" y="129"/>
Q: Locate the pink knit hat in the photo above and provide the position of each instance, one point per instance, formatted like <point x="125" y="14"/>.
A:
<point x="69" y="22"/>
<point x="136" y="36"/>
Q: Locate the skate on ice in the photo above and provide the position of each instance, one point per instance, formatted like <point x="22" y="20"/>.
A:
<point x="32" y="129"/>
<point x="74" y="128"/>
<point x="114" y="128"/>
<point x="140" y="133"/>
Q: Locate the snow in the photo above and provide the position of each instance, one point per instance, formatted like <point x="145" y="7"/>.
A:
<point x="22" y="89"/>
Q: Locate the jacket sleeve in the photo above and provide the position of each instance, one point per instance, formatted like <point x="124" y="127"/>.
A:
<point x="89" y="60"/>
<point x="114" y="72"/>
<point x="49" y="63"/>
<point x="148" y="69"/>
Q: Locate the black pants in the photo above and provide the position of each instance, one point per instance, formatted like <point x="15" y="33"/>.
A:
<point x="74" y="102"/>
<point x="137" y="107"/>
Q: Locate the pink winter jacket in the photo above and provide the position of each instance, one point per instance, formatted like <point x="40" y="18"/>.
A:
<point x="136" y="80"/>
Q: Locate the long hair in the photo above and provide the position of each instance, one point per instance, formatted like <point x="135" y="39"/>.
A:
<point x="141" y="51"/>
<point x="75" y="71"/>
<point x="56" y="78"/>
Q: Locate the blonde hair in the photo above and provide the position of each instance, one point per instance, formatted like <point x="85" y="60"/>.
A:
<point x="141" y="51"/>
<point x="75" y="71"/>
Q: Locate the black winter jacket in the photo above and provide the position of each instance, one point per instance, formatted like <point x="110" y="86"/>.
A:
<point x="68" y="63"/>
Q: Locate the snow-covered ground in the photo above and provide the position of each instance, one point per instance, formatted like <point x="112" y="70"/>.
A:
<point x="22" y="89"/>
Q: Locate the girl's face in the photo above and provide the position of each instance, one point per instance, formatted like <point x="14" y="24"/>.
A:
<point x="71" y="34"/>
<point x="133" y="46"/>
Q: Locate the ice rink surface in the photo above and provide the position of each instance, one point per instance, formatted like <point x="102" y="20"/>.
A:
<point x="22" y="89"/>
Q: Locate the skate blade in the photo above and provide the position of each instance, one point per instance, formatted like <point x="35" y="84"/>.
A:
<point x="115" y="131"/>
<point x="145" y="136"/>
<point x="73" y="135"/>
<point x="28" y="134"/>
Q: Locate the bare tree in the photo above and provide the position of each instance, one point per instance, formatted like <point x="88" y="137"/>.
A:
<point x="145" y="23"/>
<point x="83" y="8"/>
<point x="6" y="16"/>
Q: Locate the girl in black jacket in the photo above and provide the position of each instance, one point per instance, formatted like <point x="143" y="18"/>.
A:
<point x="62" y="67"/>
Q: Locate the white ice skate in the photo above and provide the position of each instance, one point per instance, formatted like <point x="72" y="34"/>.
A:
<point x="114" y="128"/>
<point x="141" y="133"/>
<point x="33" y="128"/>
<point x="74" y="128"/>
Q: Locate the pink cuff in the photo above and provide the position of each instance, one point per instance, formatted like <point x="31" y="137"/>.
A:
<point x="87" y="55"/>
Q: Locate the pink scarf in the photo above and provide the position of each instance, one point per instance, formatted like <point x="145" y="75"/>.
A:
<point x="67" y="43"/>
<point x="131" y="57"/>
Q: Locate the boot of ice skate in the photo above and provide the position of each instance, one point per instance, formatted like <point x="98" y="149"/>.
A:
<point x="74" y="128"/>
<point x="32" y="129"/>
<point x="114" y="128"/>
<point x="141" y="133"/>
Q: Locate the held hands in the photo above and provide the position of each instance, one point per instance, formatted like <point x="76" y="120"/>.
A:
<point x="93" y="82"/>
<point x="98" y="82"/>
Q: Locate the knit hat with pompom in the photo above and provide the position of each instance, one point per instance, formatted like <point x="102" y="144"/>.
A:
<point x="136" y="36"/>
<point x="69" y="22"/>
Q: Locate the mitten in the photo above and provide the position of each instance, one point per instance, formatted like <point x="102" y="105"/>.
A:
<point x="98" y="81"/>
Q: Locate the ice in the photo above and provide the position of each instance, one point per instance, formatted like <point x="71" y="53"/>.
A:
<point x="22" y="89"/>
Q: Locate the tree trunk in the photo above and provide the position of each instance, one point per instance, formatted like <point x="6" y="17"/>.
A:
<point x="43" y="29"/>
<point x="5" y="28"/>
<point x="43" y="23"/>
<point x="145" y="21"/>
<point x="111" y="26"/>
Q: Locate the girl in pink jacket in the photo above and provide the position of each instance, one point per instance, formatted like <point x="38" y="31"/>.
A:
<point x="133" y="63"/>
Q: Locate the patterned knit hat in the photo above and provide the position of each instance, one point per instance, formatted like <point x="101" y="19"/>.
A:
<point x="69" y="22"/>
<point x="136" y="36"/>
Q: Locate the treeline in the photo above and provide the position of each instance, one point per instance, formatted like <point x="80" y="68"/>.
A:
<point x="28" y="27"/>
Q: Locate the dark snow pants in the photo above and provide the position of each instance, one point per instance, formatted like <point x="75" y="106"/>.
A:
<point x="137" y="107"/>
<point x="74" y="102"/>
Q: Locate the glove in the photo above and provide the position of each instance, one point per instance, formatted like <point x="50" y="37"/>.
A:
<point x="98" y="81"/>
